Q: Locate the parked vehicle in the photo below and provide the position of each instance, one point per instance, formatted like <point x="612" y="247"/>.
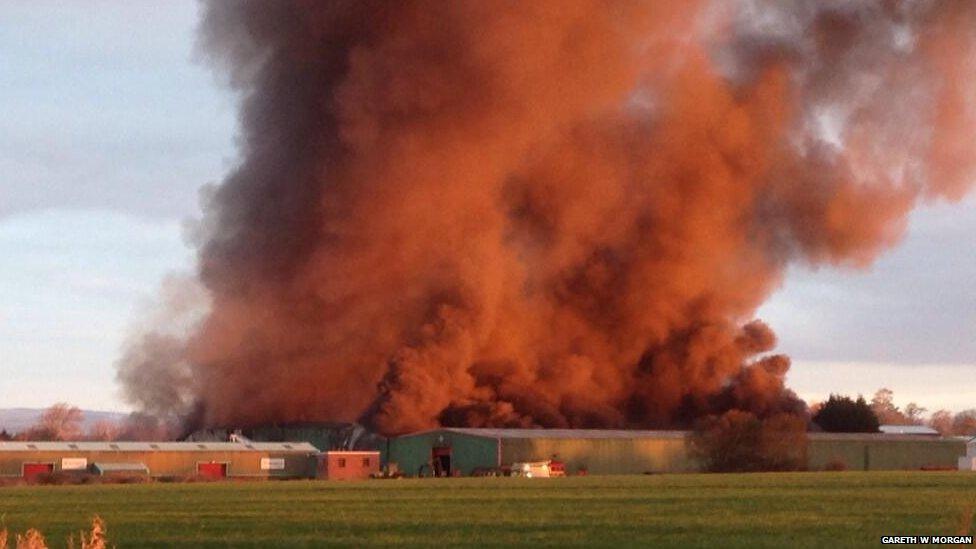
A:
<point x="532" y="469"/>
<point x="557" y="469"/>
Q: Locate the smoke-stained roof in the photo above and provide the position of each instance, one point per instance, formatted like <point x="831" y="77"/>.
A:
<point x="557" y="433"/>
<point x="29" y="446"/>
<point x="632" y="434"/>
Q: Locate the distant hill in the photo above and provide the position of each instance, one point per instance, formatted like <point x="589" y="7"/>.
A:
<point x="15" y="420"/>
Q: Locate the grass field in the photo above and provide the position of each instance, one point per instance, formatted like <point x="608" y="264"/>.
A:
<point x="784" y="509"/>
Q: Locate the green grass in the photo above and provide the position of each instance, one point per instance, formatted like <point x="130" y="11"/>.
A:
<point x="774" y="510"/>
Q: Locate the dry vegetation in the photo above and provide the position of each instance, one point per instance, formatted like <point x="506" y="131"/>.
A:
<point x="34" y="539"/>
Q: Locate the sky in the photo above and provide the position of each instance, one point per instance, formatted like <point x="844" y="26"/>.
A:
<point x="110" y="124"/>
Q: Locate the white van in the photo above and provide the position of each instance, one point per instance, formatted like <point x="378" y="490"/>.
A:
<point x="531" y="469"/>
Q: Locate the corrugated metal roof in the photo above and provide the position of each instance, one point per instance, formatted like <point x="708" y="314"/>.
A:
<point x="908" y="430"/>
<point x="131" y="467"/>
<point x="28" y="446"/>
<point x="558" y="433"/>
<point x="633" y="434"/>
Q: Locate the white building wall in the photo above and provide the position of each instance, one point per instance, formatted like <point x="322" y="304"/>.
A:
<point x="968" y="462"/>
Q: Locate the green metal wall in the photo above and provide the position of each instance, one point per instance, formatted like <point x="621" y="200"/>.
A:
<point x="608" y="456"/>
<point x="598" y="456"/>
<point x="411" y="452"/>
<point x="876" y="455"/>
<point x="604" y="456"/>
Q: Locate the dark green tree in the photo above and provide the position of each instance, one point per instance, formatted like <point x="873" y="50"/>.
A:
<point x="841" y="414"/>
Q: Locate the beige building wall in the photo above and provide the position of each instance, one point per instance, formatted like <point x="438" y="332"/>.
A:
<point x="170" y="463"/>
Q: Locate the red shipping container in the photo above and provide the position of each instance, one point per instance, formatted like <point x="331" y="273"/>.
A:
<point x="339" y="465"/>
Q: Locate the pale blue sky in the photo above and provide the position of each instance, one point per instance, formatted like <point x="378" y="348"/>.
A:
<point x="108" y="126"/>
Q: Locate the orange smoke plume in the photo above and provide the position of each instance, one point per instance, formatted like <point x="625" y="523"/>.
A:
<point x="551" y="213"/>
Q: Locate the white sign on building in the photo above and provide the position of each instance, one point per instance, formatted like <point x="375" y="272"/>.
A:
<point x="272" y="464"/>
<point x="74" y="464"/>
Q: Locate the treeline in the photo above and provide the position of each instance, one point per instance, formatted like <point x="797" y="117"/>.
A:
<point x="741" y="441"/>
<point x="848" y="415"/>
<point x="64" y="422"/>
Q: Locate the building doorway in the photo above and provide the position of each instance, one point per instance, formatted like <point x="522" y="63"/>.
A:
<point x="441" y="460"/>
<point x="34" y="470"/>
<point x="212" y="470"/>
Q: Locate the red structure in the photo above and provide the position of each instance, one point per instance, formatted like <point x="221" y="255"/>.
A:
<point x="34" y="470"/>
<point x="338" y="465"/>
<point x="212" y="470"/>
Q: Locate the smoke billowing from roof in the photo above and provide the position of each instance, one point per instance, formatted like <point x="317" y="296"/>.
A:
<point x="550" y="213"/>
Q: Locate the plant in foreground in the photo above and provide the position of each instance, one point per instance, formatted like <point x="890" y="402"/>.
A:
<point x="33" y="539"/>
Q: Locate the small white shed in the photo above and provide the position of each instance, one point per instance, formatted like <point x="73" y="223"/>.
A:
<point x="968" y="462"/>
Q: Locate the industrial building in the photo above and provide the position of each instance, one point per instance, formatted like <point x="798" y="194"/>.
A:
<point x="448" y="452"/>
<point x="879" y="452"/>
<point x="244" y="459"/>
<point x="350" y="465"/>
<point x="452" y="451"/>
<point x="323" y="435"/>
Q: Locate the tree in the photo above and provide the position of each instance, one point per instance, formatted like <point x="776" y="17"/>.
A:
<point x="739" y="441"/>
<point x="964" y="424"/>
<point x="883" y="406"/>
<point x="913" y="413"/>
<point x="941" y="421"/>
<point x="4" y="435"/>
<point x="840" y="414"/>
<point x="104" y="430"/>
<point x="59" y="422"/>
<point x="783" y="443"/>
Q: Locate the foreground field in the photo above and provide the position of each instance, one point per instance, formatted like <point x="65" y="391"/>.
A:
<point x="786" y="509"/>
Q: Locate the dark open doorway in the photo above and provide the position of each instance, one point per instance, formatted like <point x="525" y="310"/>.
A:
<point x="441" y="460"/>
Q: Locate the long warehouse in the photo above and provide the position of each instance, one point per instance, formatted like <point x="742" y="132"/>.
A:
<point x="451" y="451"/>
<point x="30" y="460"/>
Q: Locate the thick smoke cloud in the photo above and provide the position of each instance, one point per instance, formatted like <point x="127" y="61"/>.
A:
<point x="551" y="213"/>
